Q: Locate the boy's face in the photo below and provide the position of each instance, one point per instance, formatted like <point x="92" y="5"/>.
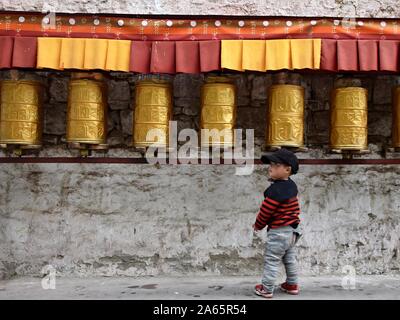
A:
<point x="279" y="170"/>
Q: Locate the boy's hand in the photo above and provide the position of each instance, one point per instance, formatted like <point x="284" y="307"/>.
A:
<point x="254" y="228"/>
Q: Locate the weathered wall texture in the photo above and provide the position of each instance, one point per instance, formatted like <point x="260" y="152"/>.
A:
<point x="142" y="220"/>
<point x="99" y="219"/>
<point x="322" y="8"/>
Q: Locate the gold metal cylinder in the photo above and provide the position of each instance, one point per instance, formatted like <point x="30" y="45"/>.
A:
<point x="218" y="112"/>
<point x="87" y="112"/>
<point x="153" y="111"/>
<point x="396" y="117"/>
<point x="348" y="119"/>
<point x="285" y="116"/>
<point x="21" y="116"/>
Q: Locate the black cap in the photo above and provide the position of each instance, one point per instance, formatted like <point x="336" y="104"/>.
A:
<point x="282" y="156"/>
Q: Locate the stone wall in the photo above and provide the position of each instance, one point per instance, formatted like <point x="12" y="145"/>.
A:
<point x="134" y="220"/>
<point x="327" y="8"/>
<point x="143" y="219"/>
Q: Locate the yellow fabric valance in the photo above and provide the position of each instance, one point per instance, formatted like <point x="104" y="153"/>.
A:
<point x="72" y="61"/>
<point x="86" y="54"/>
<point x="278" y="55"/>
<point x="118" y="55"/>
<point x="263" y="55"/>
<point x="306" y="53"/>
<point x="231" y="54"/>
<point x="253" y="57"/>
<point x="48" y="53"/>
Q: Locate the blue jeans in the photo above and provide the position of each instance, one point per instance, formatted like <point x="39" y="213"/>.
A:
<point x="280" y="246"/>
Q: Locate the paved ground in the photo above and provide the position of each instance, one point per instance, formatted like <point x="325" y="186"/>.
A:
<point x="214" y="288"/>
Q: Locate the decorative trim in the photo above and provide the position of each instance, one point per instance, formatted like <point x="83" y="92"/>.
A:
<point x="193" y="27"/>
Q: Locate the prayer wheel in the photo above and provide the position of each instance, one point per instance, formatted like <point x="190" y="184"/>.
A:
<point x="348" y="120"/>
<point x="285" y="116"/>
<point x="87" y="112"/>
<point x="21" y="115"/>
<point x="396" y="118"/>
<point x="218" y="112"/>
<point x="153" y="111"/>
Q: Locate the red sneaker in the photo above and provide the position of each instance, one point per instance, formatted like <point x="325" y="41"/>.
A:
<point x="290" y="288"/>
<point x="260" y="291"/>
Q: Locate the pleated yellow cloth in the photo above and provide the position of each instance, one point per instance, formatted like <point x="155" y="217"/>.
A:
<point x="231" y="54"/>
<point x="253" y="57"/>
<point x="95" y="54"/>
<point x="118" y="55"/>
<point x="72" y="53"/>
<point x="263" y="55"/>
<point x="83" y="54"/>
<point x="48" y="53"/>
<point x="277" y="54"/>
<point x="305" y="53"/>
<point x="317" y="43"/>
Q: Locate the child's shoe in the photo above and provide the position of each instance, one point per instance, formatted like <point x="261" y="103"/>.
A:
<point x="290" y="288"/>
<point x="260" y="291"/>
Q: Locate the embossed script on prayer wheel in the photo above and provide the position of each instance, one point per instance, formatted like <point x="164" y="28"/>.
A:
<point x="153" y="111"/>
<point x="218" y="113"/>
<point x="348" y="122"/>
<point x="396" y="118"/>
<point x="285" y="116"/>
<point x="87" y="112"/>
<point x="21" y="117"/>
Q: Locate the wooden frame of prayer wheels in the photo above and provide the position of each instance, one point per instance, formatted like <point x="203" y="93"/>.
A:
<point x="153" y="111"/>
<point x="21" y="113"/>
<point x="285" y="116"/>
<point x="218" y="112"/>
<point x="87" y="112"/>
<point x="396" y="118"/>
<point x="348" y="119"/>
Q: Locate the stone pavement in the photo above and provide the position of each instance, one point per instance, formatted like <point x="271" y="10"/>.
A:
<point x="197" y="288"/>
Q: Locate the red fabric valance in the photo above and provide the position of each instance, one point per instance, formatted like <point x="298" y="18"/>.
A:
<point x="18" y="52"/>
<point x="360" y="55"/>
<point x="175" y="56"/>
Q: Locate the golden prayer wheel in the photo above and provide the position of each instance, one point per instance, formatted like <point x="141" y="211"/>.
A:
<point x="348" y="119"/>
<point x="153" y="111"/>
<point x="396" y="118"/>
<point x="285" y="116"/>
<point x="21" y="116"/>
<point x="87" y="112"/>
<point x="218" y="112"/>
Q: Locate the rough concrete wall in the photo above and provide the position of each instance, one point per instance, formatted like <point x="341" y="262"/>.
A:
<point x="328" y="8"/>
<point x="146" y="220"/>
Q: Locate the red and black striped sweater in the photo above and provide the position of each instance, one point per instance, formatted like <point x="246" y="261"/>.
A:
<point x="280" y="206"/>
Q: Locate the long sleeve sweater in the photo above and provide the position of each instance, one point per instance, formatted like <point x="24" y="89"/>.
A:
<point x="280" y="206"/>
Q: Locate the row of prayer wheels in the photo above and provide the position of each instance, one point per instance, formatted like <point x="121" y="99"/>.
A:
<point x="21" y="114"/>
<point x="348" y="117"/>
<point x="153" y="111"/>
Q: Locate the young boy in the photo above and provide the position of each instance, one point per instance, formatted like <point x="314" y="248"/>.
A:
<point x="280" y="211"/>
